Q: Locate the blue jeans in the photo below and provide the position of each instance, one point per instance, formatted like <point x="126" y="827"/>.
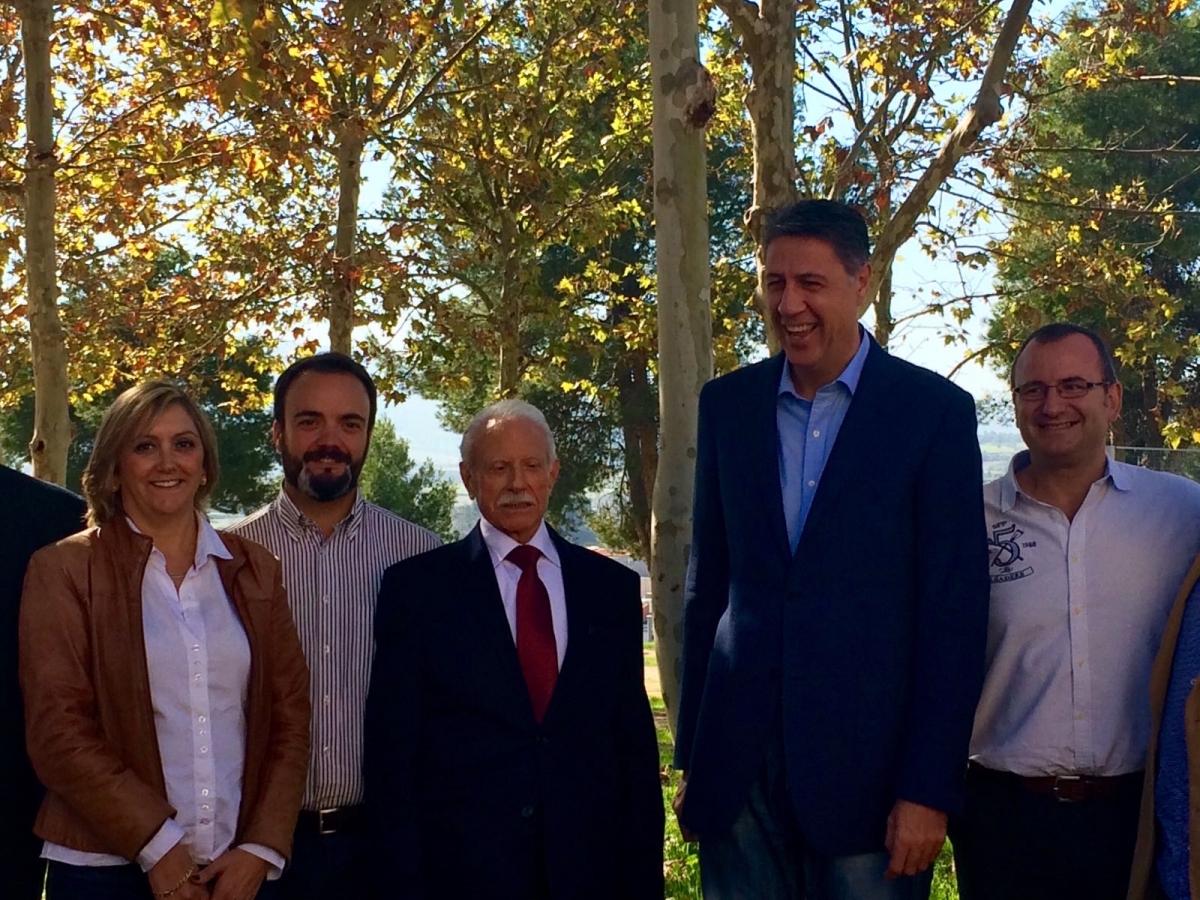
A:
<point x="765" y="857"/>
<point x="67" y="882"/>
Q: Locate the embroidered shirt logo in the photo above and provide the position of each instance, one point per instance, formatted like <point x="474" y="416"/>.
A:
<point x="1005" y="548"/>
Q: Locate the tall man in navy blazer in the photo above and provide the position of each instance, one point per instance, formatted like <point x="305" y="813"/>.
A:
<point x="836" y="600"/>
<point x="510" y="750"/>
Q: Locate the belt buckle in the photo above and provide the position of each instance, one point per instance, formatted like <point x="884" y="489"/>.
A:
<point x="321" y="827"/>
<point x="1060" y="780"/>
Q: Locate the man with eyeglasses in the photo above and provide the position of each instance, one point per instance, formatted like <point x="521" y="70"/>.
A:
<point x="1086" y="556"/>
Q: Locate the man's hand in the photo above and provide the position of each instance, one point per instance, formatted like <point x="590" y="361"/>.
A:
<point x="915" y="835"/>
<point x="238" y="875"/>
<point x="677" y="804"/>
<point x="171" y="874"/>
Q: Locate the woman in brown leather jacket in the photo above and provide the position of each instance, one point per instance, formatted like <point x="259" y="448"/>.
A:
<point x="166" y="694"/>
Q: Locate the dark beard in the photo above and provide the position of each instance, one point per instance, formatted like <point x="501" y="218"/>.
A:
<point x="322" y="488"/>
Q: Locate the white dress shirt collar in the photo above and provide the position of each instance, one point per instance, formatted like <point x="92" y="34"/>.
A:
<point x="208" y="542"/>
<point x="1116" y="473"/>
<point x="500" y="544"/>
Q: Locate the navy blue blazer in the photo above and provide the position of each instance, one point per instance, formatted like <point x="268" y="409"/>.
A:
<point x="34" y="514"/>
<point x="865" y="647"/>
<point x="468" y="794"/>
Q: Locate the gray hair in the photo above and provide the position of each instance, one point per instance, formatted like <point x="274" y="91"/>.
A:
<point x="504" y="411"/>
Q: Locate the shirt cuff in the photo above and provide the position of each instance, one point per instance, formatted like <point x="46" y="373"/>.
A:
<point x="170" y="834"/>
<point x="267" y="855"/>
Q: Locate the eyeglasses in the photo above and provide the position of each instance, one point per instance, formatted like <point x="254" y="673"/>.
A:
<point x="1068" y="389"/>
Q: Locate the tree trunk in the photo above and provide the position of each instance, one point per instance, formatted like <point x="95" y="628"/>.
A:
<point x="345" y="271"/>
<point x="883" y="312"/>
<point x="1149" y="402"/>
<point x="509" y="333"/>
<point x="986" y="111"/>
<point x="51" y="423"/>
<point x="683" y="102"/>
<point x="635" y="399"/>
<point x="767" y="32"/>
<point x="885" y="323"/>
<point x="637" y="402"/>
<point x="508" y="315"/>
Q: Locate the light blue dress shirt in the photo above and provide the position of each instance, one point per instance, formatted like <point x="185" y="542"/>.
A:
<point x="807" y="431"/>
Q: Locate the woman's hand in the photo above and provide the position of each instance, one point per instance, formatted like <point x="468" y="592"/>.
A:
<point x="169" y="876"/>
<point x="235" y="875"/>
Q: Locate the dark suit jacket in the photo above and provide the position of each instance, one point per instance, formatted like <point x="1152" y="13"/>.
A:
<point x="865" y="649"/>
<point x="469" y="795"/>
<point x="32" y="515"/>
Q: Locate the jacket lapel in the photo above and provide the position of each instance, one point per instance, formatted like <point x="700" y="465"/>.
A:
<point x="121" y="565"/>
<point x="577" y="595"/>
<point x="762" y="452"/>
<point x="247" y="612"/>
<point x="870" y="404"/>
<point x="485" y="611"/>
<point x="255" y="618"/>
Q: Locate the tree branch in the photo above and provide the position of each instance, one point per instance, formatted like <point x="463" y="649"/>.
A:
<point x="1128" y="151"/>
<point x="1170" y="79"/>
<point x="454" y="57"/>
<point x="985" y="112"/>
<point x="743" y="15"/>
<point x="981" y="354"/>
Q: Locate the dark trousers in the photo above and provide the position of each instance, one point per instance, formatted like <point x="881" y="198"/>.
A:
<point x="1014" y="844"/>
<point x="22" y="870"/>
<point x="765" y="857"/>
<point x="323" y="867"/>
<point x="67" y="882"/>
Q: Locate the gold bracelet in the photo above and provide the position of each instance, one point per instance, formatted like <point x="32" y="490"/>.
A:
<point x="182" y="881"/>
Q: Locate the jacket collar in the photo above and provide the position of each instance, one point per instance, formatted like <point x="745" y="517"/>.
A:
<point x="121" y="542"/>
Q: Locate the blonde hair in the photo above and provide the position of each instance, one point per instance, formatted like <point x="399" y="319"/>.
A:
<point x="129" y="415"/>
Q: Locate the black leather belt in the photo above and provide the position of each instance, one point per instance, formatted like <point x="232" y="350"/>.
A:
<point x="1066" y="788"/>
<point x="345" y="819"/>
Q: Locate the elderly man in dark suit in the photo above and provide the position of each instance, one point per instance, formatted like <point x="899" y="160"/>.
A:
<point x="34" y="514"/>
<point x="510" y="749"/>
<point x="836" y="600"/>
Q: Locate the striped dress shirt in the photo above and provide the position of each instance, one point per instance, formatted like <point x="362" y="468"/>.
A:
<point x="332" y="585"/>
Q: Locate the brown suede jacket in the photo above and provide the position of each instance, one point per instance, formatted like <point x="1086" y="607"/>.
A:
<point x="89" y="721"/>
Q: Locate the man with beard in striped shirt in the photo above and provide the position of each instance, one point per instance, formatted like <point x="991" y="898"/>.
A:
<point x="334" y="546"/>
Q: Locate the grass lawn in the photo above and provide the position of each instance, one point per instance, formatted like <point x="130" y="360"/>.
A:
<point x="681" y="866"/>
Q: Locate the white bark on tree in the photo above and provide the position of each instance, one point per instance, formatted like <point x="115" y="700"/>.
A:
<point x="767" y="34"/>
<point x="985" y="112"/>
<point x="51" y="421"/>
<point x="683" y="103"/>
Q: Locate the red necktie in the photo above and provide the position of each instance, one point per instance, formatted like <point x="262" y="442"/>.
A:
<point x="535" y="630"/>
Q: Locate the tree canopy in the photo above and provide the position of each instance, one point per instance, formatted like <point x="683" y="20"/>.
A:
<point x="393" y="479"/>
<point x="1103" y="197"/>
